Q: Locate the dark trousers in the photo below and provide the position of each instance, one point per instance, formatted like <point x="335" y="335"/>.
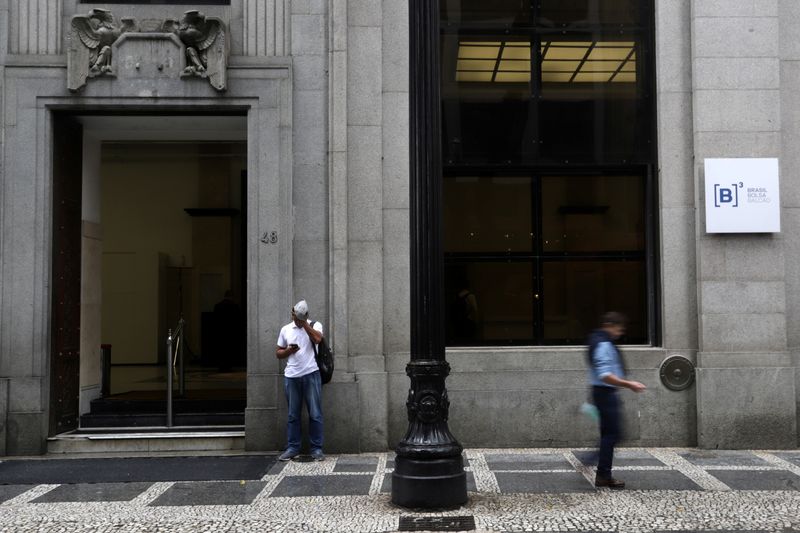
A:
<point x="306" y="389"/>
<point x="607" y="402"/>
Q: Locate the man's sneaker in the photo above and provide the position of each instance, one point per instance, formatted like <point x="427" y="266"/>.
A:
<point x="318" y="456"/>
<point x="609" y="482"/>
<point x="288" y="455"/>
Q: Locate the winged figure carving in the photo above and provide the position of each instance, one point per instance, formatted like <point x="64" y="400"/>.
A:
<point x="206" y="47"/>
<point x="170" y="25"/>
<point x="90" y="40"/>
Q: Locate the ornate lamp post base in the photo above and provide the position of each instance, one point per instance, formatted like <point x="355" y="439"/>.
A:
<point x="428" y="470"/>
<point x="429" y="483"/>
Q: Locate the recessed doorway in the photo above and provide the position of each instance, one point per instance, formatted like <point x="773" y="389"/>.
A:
<point x="162" y="248"/>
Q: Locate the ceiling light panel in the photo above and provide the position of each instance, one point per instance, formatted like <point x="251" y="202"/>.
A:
<point x="562" y="61"/>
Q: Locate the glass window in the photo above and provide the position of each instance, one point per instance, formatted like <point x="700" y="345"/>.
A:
<point x="544" y="13"/>
<point x="548" y="146"/>
<point x="588" y="12"/>
<point x="486" y="12"/>
<point x="563" y="247"/>
<point x="489" y="302"/>
<point x="593" y="214"/>
<point x="588" y="99"/>
<point x="488" y="215"/>
<point x="486" y="102"/>
<point x="576" y="293"/>
<point x="594" y="102"/>
<point x="163" y="2"/>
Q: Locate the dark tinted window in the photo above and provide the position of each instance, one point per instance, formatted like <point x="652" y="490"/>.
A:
<point x="593" y="214"/>
<point x="164" y="2"/>
<point x="486" y="97"/>
<point x="575" y="293"/>
<point x="543" y="13"/>
<point x="595" y="102"/>
<point x="486" y="12"/>
<point x="489" y="301"/>
<point x="589" y="12"/>
<point x="539" y="94"/>
<point x="538" y="258"/>
<point x="488" y="214"/>
<point x="548" y="148"/>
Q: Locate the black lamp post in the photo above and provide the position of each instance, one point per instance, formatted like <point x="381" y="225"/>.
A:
<point x="429" y="470"/>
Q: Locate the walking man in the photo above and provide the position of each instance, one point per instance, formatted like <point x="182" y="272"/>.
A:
<point x="301" y="381"/>
<point x="607" y="374"/>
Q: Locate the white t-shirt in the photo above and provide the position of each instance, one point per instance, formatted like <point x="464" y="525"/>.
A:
<point x="301" y="362"/>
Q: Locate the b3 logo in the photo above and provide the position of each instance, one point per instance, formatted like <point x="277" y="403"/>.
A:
<point x="727" y="196"/>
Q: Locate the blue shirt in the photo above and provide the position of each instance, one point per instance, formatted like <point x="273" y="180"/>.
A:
<point x="605" y="361"/>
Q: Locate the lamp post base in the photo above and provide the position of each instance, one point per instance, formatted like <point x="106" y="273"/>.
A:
<point x="429" y="483"/>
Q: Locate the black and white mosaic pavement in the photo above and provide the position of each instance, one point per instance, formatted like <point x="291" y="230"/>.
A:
<point x="676" y="490"/>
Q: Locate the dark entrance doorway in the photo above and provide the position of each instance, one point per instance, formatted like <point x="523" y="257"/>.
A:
<point x="148" y="233"/>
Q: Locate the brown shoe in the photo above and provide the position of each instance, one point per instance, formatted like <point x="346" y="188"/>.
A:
<point x="609" y="482"/>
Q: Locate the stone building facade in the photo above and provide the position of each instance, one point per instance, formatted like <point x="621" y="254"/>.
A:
<point x="318" y="90"/>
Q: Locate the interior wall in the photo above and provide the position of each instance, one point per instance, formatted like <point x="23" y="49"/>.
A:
<point x="91" y="313"/>
<point x="91" y="281"/>
<point x="154" y="250"/>
<point x="145" y="190"/>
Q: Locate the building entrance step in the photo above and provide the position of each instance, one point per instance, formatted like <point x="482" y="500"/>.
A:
<point x="204" y="401"/>
<point x="117" y="420"/>
<point x="148" y="439"/>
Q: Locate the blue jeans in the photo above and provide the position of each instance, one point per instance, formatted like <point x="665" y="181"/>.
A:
<point x="306" y="388"/>
<point x="605" y="398"/>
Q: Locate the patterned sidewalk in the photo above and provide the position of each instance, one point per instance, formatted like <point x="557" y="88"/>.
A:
<point x="510" y="490"/>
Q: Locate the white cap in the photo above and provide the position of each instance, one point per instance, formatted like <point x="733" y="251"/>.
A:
<point x="301" y="310"/>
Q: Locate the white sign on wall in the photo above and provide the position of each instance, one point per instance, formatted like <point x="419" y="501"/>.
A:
<point x="742" y="196"/>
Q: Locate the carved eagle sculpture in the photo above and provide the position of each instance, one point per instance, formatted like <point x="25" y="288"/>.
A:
<point x="90" y="40"/>
<point x="206" y="47"/>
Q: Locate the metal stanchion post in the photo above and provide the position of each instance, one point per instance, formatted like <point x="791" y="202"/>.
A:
<point x="105" y="362"/>
<point x="182" y="374"/>
<point x="169" y="378"/>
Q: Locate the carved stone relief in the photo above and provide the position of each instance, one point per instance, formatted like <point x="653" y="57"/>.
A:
<point x="96" y="39"/>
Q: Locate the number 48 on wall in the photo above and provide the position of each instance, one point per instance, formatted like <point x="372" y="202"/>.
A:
<point x="270" y="237"/>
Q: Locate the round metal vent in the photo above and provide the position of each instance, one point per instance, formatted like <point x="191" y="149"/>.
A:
<point x="677" y="372"/>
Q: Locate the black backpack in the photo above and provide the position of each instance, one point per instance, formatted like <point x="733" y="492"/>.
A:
<point x="324" y="357"/>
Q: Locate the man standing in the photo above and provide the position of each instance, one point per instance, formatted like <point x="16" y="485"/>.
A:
<point x="607" y="374"/>
<point x="301" y="381"/>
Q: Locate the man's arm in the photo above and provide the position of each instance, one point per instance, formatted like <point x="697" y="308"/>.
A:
<point x="283" y="353"/>
<point x="635" y="386"/>
<point x="313" y="334"/>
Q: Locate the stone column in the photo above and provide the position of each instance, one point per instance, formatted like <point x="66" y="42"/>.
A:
<point x="788" y="16"/>
<point x="3" y="52"/>
<point x="3" y="414"/>
<point x="365" y="224"/>
<point x="337" y="172"/>
<point x="745" y="378"/>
